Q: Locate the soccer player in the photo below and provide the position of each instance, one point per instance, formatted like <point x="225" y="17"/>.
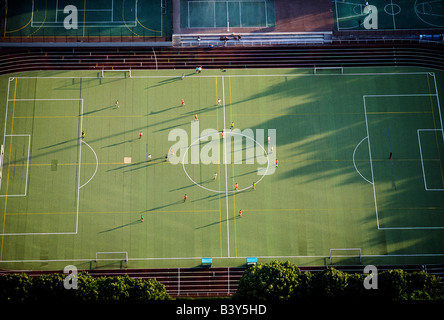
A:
<point x="232" y="125"/>
<point x="83" y="134"/>
<point x="215" y="176"/>
<point x="254" y="185"/>
<point x="219" y="102"/>
<point x="185" y="197"/>
<point x="240" y="212"/>
<point x="117" y="104"/>
<point x="236" y="187"/>
<point x="277" y="163"/>
<point x="141" y="219"/>
<point x="268" y="139"/>
<point x="196" y="118"/>
<point x="183" y="103"/>
<point x="140" y="135"/>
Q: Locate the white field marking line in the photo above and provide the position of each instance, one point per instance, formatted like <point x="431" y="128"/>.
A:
<point x="27" y="166"/>
<point x="97" y="165"/>
<point x="240" y="258"/>
<point x="99" y="24"/>
<point x="226" y="166"/>
<point x="6" y="120"/>
<point x="437" y="101"/>
<point x="371" y="162"/>
<point x="354" y="163"/>
<point x="416" y="5"/>
<point x="226" y="134"/>
<point x="243" y="76"/>
<point x="92" y="24"/>
<point x="80" y="158"/>
<point x="422" y="161"/>
<point x="78" y="182"/>
<point x="337" y="17"/>
<point x="393" y="16"/>
<point x="146" y="77"/>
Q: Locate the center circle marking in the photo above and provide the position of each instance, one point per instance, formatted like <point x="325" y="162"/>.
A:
<point x="227" y="135"/>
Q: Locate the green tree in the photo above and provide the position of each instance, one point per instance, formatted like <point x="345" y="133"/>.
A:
<point x="270" y="281"/>
<point x="87" y="287"/>
<point x="330" y="283"/>
<point x="422" y="286"/>
<point x="49" y="287"/>
<point x="392" y="285"/>
<point x="149" y="289"/>
<point x="113" y="288"/>
<point x="15" y="287"/>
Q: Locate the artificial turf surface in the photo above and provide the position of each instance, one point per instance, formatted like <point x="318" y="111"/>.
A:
<point x="64" y="198"/>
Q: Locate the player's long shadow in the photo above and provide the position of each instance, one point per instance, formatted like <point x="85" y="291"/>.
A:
<point x="98" y="110"/>
<point x="170" y="80"/>
<point x="184" y="187"/>
<point x="141" y="164"/>
<point x="164" y="206"/>
<point x="217" y="222"/>
<point x="59" y="144"/>
<point x="120" y="227"/>
<point x="119" y="143"/>
<point x="164" y="110"/>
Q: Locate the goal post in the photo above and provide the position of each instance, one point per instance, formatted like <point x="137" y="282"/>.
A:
<point x="110" y="259"/>
<point x="116" y="73"/>
<point x="328" y="70"/>
<point x="345" y="255"/>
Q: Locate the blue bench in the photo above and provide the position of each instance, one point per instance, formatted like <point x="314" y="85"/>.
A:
<point x="251" y="261"/>
<point x="208" y="262"/>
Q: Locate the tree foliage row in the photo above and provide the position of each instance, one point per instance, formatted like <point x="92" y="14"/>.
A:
<point x="22" y="287"/>
<point x="284" y="281"/>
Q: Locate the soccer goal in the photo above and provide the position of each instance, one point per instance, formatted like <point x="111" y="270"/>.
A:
<point x="328" y="70"/>
<point x="116" y="73"/>
<point x="346" y="256"/>
<point x="112" y="259"/>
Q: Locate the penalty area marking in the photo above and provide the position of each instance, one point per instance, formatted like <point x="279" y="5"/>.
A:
<point x="97" y="165"/>
<point x="354" y="163"/>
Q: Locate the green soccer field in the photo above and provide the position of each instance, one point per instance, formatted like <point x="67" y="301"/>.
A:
<point x="80" y="19"/>
<point x="360" y="176"/>
<point x="389" y="15"/>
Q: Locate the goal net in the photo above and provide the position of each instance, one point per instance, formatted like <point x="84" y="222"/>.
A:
<point x="345" y="256"/>
<point x="112" y="259"/>
<point x="112" y="73"/>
